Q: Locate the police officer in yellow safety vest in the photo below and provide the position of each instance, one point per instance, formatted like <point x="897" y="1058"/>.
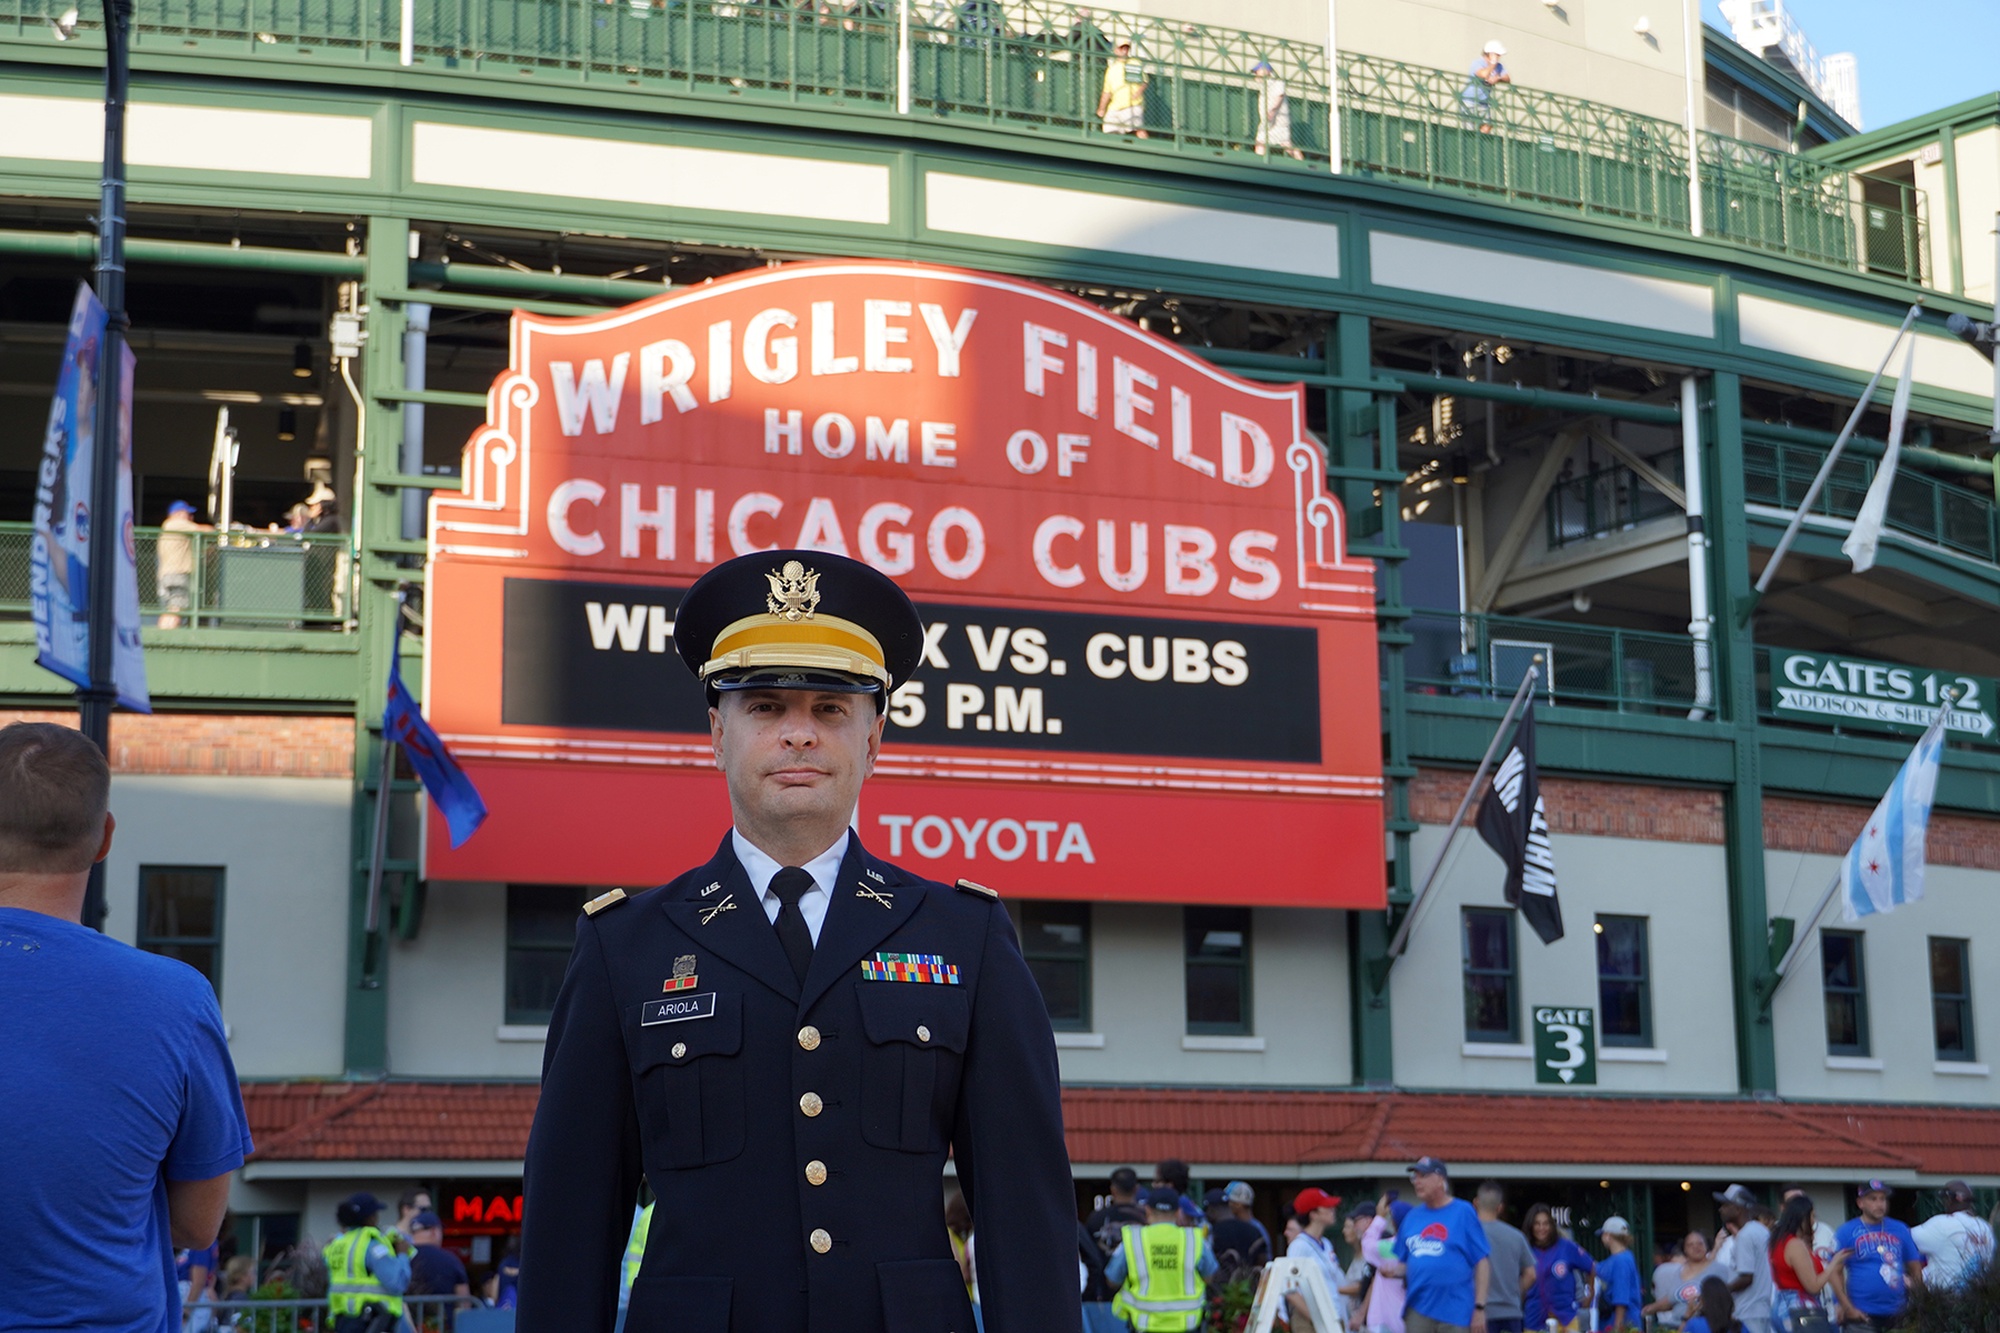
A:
<point x="1161" y="1269"/>
<point x="635" y="1254"/>
<point x="367" y="1271"/>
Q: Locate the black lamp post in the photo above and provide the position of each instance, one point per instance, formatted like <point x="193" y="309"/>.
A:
<point x="96" y="701"/>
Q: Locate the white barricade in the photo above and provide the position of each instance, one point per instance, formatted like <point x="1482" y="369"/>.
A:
<point x="1309" y="1280"/>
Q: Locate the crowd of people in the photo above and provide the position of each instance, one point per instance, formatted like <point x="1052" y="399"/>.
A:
<point x="1154" y="1260"/>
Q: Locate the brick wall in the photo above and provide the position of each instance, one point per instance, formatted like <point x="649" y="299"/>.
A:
<point x="220" y="744"/>
<point x="1828" y="828"/>
<point x="1608" y="809"/>
<point x="1597" y="808"/>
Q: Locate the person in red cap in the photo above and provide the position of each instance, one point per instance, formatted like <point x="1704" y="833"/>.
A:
<point x="1316" y="1209"/>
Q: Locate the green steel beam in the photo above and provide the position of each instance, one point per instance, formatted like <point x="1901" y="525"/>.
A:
<point x="499" y="304"/>
<point x="1585" y="404"/>
<point x="1577" y="740"/>
<point x="390" y="393"/>
<point x="1353" y="428"/>
<point x="492" y="278"/>
<point x="82" y="247"/>
<point x="367" y="1022"/>
<point x="1918" y="457"/>
<point x="310" y="669"/>
<point x="1743" y="798"/>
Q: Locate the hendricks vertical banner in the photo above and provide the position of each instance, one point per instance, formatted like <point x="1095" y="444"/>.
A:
<point x="59" y="557"/>
<point x="1150" y="666"/>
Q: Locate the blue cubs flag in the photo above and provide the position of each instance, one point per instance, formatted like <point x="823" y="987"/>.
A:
<point x="1885" y="867"/>
<point x="1514" y="824"/>
<point x="460" y="803"/>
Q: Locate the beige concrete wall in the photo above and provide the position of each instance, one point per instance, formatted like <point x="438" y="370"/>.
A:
<point x="1902" y="1064"/>
<point x="447" y="991"/>
<point x="1978" y="202"/>
<point x="1680" y="887"/>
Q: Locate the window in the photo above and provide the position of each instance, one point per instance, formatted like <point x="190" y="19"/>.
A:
<point x="1624" y="988"/>
<point x="541" y="930"/>
<point x="1055" y="938"/>
<point x="1845" y="983"/>
<point x="180" y="916"/>
<point x="1218" y="970"/>
<point x="1492" y="990"/>
<point x="1951" y="998"/>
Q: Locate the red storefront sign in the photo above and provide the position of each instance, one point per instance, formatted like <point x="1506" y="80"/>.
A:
<point x="1151" y="668"/>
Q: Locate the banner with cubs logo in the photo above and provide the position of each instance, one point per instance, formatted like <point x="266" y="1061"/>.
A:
<point x="1150" y="666"/>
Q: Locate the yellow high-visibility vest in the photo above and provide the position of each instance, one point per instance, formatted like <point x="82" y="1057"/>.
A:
<point x="350" y="1287"/>
<point x="1163" y="1291"/>
<point x="635" y="1248"/>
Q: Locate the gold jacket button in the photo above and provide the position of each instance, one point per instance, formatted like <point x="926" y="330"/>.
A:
<point x="680" y="1049"/>
<point x="923" y="1033"/>
<point x="821" y="1242"/>
<point x="809" y="1038"/>
<point x="816" y="1173"/>
<point x="811" y="1104"/>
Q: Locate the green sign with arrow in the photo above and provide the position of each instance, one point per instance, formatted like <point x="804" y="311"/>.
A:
<point x="1878" y="696"/>
<point x="1566" y="1046"/>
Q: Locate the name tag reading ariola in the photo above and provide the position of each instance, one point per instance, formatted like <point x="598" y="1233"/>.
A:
<point x="677" y="1010"/>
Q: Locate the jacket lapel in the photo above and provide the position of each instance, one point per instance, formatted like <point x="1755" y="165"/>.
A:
<point x="730" y="920"/>
<point x="863" y="912"/>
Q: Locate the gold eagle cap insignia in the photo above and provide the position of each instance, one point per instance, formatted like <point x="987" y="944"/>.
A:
<point x="794" y="592"/>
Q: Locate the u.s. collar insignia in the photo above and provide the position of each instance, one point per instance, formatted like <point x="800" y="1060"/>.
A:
<point x="683" y="977"/>
<point x="711" y="888"/>
<point x="929" y="967"/>
<point x="873" y="874"/>
<point x="794" y="592"/>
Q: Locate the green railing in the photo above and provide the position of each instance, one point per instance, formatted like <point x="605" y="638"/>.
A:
<point x="1485" y="657"/>
<point x="1031" y="66"/>
<point x="1606" y="500"/>
<point x="1954" y="517"/>
<point x="1036" y="66"/>
<point x="1444" y="129"/>
<point x="241" y="580"/>
<point x="1524" y="145"/>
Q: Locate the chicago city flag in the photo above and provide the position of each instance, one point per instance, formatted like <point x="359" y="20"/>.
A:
<point x="1512" y="821"/>
<point x="1885" y="867"/>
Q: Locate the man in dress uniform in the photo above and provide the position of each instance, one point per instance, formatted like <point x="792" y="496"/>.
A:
<point x="787" y="1040"/>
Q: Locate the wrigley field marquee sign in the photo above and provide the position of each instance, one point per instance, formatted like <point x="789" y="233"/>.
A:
<point x="1150" y="665"/>
<point x="1877" y="696"/>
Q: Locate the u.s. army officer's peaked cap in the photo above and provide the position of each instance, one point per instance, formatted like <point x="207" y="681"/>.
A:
<point x="798" y="620"/>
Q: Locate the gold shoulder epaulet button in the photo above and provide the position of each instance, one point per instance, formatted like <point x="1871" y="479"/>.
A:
<point x="602" y="901"/>
<point x="967" y="886"/>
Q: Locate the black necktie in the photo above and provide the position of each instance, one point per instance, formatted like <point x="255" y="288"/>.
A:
<point x="791" y="884"/>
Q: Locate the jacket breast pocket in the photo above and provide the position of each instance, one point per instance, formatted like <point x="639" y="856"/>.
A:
<point x="910" y="1062"/>
<point x="689" y="1084"/>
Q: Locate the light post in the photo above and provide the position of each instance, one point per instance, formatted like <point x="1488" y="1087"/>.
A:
<point x="96" y="701"/>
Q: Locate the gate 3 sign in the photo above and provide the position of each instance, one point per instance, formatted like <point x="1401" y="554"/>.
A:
<point x="1879" y="696"/>
<point x="1150" y="669"/>
<point x="1566" y="1046"/>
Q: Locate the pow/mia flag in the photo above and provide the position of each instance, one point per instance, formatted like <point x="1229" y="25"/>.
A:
<point x="1513" y="823"/>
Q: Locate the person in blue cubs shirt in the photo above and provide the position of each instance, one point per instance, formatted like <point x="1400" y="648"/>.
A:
<point x="1883" y="1262"/>
<point x="120" y="1118"/>
<point x="1442" y="1247"/>
<point x="1619" y="1297"/>
<point x="1558" y="1262"/>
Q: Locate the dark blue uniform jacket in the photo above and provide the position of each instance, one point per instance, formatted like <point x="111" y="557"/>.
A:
<point x="864" y="1083"/>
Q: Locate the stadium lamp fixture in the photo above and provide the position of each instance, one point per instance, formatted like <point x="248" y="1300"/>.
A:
<point x="64" y="26"/>
<point x="302" y="361"/>
<point x="1980" y="337"/>
<point x="288" y="425"/>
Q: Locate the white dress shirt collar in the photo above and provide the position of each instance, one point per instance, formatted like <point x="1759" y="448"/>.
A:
<point x="762" y="869"/>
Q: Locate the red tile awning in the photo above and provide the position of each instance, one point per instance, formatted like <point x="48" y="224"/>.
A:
<point x="1281" y="1132"/>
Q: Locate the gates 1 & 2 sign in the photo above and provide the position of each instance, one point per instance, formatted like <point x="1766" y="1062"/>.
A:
<point x="1150" y="666"/>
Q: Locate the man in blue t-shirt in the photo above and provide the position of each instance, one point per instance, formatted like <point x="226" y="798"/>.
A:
<point x="1619" y="1296"/>
<point x="1442" y="1247"/>
<point x="1883" y="1262"/>
<point x="126" y="1120"/>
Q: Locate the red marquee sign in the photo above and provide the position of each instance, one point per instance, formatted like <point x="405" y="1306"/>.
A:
<point x="1150" y="671"/>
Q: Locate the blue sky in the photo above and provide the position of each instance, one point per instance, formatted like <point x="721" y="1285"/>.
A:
<point x="1913" y="55"/>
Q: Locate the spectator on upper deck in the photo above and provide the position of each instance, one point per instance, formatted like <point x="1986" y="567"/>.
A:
<point x="1486" y="75"/>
